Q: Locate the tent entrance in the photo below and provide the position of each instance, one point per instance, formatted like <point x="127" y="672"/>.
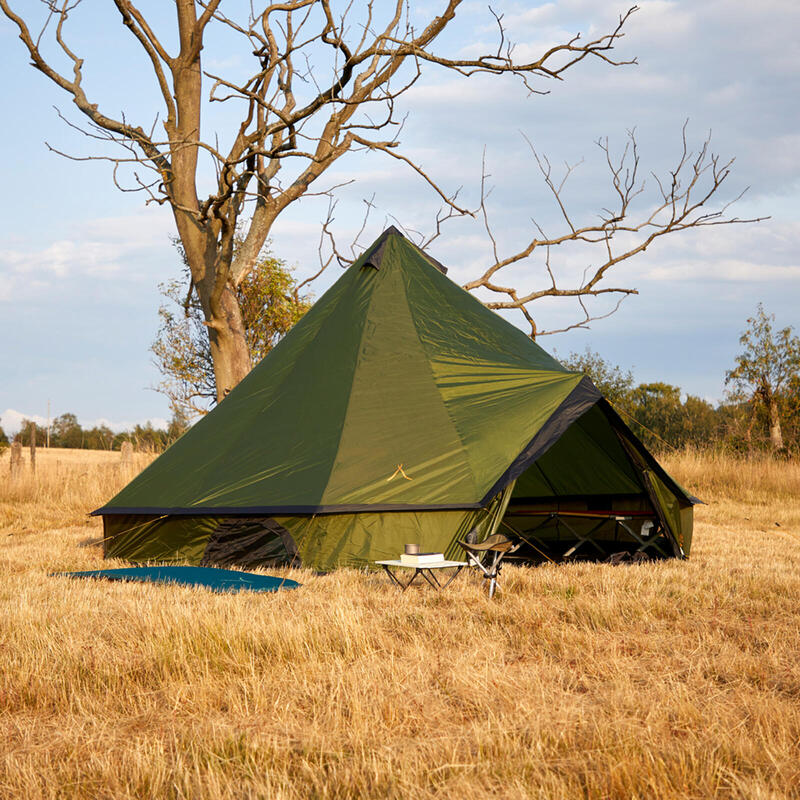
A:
<point x="251" y="542"/>
<point x="585" y="499"/>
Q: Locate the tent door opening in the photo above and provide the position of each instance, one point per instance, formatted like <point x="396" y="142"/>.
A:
<point x="586" y="499"/>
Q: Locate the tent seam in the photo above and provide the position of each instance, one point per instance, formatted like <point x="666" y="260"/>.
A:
<point x="350" y="391"/>
<point x="439" y="391"/>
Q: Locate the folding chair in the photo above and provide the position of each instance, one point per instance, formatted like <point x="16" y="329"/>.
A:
<point x="496" y="544"/>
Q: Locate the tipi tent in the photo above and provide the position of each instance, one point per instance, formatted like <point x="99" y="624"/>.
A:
<point x="399" y="409"/>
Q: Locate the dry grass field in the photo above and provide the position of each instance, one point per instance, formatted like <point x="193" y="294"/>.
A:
<point x="662" y="680"/>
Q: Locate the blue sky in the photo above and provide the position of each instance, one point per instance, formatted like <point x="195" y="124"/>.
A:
<point x="81" y="262"/>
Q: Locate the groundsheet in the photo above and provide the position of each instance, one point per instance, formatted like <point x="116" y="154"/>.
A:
<point x="218" y="580"/>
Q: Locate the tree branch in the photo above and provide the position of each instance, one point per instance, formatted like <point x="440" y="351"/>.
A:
<point x="682" y="207"/>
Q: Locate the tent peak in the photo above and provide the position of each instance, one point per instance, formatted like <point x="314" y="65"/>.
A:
<point x="373" y="256"/>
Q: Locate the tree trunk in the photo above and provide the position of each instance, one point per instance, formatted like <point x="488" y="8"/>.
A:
<point x="206" y="258"/>
<point x="748" y="434"/>
<point x="33" y="447"/>
<point x="228" y="342"/>
<point x="775" y="435"/>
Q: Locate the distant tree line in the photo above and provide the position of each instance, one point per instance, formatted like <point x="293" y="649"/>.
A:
<point x="761" y="409"/>
<point x="66" y="431"/>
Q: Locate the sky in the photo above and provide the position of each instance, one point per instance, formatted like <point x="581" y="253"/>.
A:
<point x="80" y="261"/>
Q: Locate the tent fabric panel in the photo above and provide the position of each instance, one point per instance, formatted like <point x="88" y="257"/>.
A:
<point x="454" y="326"/>
<point x="322" y="542"/>
<point x="668" y="496"/>
<point x="398" y="443"/>
<point x="497" y="424"/>
<point x="582" y="397"/>
<point x="498" y="386"/>
<point x="598" y="428"/>
<point x="236" y="443"/>
<point x="358" y="540"/>
<point x="687" y="525"/>
<point x="291" y="444"/>
<point x="644" y="455"/>
<point x="143" y="539"/>
<point x="673" y="512"/>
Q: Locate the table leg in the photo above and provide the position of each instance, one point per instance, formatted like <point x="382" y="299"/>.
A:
<point x="427" y="575"/>
<point x="397" y="582"/>
<point x="430" y="577"/>
<point x="414" y="577"/>
<point x="450" y="579"/>
<point x="392" y="577"/>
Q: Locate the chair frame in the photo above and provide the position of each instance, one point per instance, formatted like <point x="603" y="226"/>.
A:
<point x="499" y="549"/>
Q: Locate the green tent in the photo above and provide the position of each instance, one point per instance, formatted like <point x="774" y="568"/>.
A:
<point x="399" y="409"/>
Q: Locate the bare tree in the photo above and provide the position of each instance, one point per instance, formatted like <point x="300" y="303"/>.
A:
<point x="324" y="81"/>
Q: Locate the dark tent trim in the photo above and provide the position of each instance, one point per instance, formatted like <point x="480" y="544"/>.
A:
<point x="232" y="511"/>
<point x="576" y="403"/>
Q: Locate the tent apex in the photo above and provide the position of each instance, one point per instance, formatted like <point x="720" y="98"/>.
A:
<point x="375" y="253"/>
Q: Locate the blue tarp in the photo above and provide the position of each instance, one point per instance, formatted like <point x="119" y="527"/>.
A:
<point x="218" y="580"/>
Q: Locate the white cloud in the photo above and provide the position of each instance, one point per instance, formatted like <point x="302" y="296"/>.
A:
<point x="64" y="257"/>
<point x="112" y="248"/>
<point x="11" y="420"/>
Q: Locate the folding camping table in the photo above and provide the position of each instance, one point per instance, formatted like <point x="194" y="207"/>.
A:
<point x="426" y="570"/>
<point x="623" y="520"/>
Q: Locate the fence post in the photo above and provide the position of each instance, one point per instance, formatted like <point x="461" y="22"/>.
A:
<point x="16" y="459"/>
<point x="33" y="447"/>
